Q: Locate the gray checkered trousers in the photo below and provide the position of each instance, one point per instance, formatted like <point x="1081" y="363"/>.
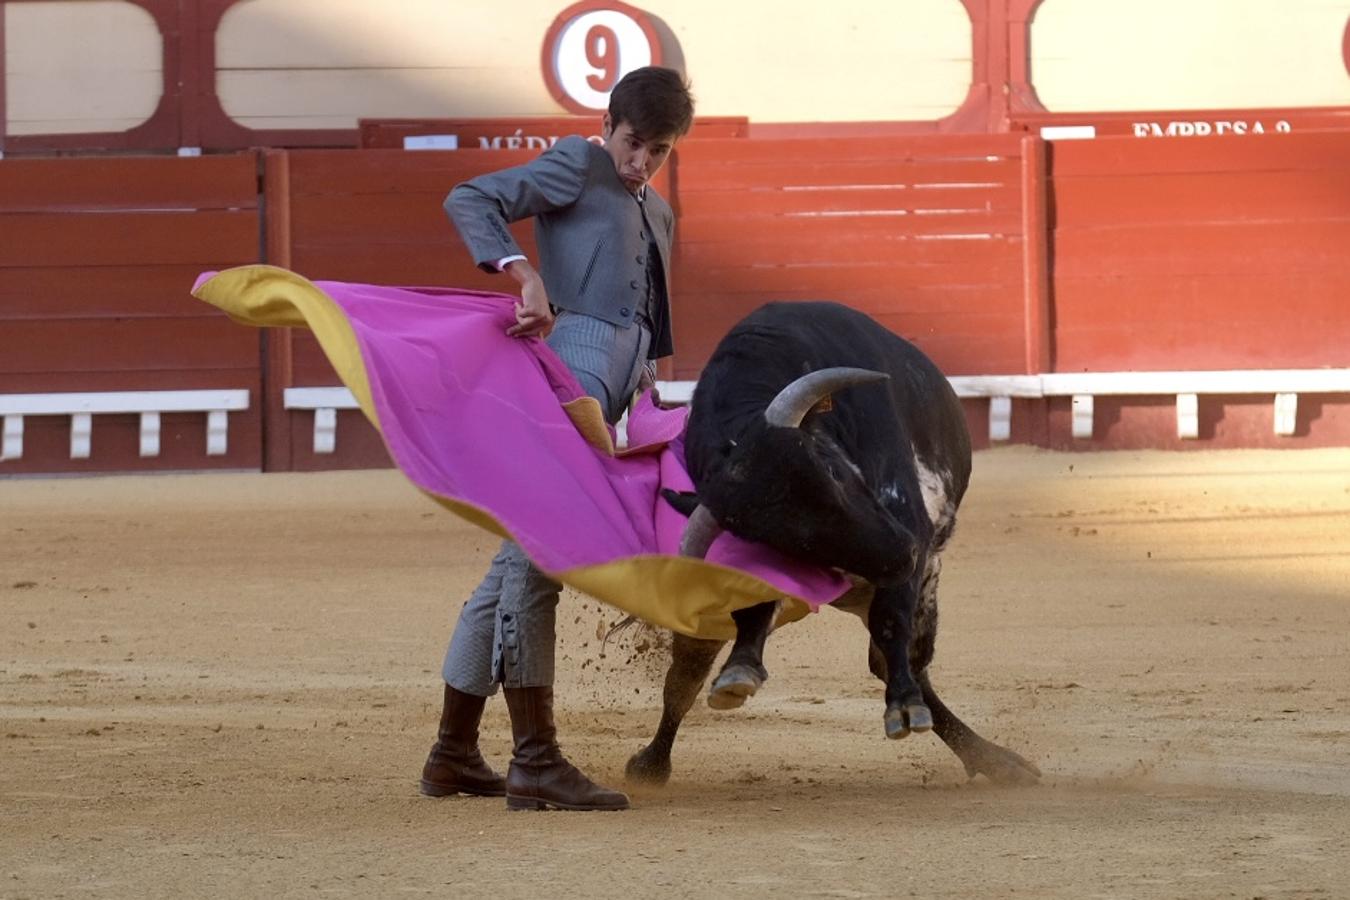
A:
<point x="505" y="633"/>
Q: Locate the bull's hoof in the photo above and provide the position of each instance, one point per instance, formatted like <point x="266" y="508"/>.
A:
<point x="733" y="684"/>
<point x="999" y="764"/>
<point x="900" y="720"/>
<point x="648" y="767"/>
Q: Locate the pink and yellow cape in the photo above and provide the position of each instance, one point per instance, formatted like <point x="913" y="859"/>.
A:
<point x="497" y="430"/>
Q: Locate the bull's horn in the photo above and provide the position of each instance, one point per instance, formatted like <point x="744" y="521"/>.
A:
<point x="796" y="400"/>
<point x="699" y="534"/>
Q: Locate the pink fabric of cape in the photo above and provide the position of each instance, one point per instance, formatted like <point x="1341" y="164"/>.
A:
<point x="472" y="414"/>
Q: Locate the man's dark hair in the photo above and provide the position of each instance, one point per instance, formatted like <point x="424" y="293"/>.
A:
<point x="654" y="101"/>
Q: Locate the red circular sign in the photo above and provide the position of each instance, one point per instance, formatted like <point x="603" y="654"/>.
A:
<point x="590" y="46"/>
<point x="1345" y="46"/>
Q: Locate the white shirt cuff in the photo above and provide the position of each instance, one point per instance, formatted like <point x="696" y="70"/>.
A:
<point x="501" y="263"/>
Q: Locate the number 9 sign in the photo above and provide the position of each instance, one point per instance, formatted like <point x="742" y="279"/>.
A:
<point x="590" y="46"/>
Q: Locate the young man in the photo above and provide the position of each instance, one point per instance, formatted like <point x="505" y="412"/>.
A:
<point x="604" y="242"/>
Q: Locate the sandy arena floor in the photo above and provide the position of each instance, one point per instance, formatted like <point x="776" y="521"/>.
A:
<point x="225" y="686"/>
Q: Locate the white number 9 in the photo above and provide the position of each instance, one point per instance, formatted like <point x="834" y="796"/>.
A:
<point x="590" y="47"/>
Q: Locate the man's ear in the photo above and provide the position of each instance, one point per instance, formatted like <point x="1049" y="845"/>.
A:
<point x="606" y="127"/>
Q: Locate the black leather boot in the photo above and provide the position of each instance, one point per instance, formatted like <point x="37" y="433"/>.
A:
<point x="455" y="766"/>
<point x="539" y="776"/>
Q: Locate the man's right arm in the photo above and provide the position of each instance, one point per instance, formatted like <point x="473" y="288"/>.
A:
<point x="482" y="207"/>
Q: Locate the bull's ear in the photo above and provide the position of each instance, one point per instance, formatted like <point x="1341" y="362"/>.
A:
<point x="684" y="502"/>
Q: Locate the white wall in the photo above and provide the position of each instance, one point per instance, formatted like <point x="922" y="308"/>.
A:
<point x="326" y="63"/>
<point x="81" y="65"/>
<point x="1099" y="55"/>
<point x="95" y="65"/>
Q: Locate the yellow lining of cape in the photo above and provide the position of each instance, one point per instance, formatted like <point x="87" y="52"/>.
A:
<point x="691" y="596"/>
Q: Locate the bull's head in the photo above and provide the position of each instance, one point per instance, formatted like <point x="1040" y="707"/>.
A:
<point x="797" y="490"/>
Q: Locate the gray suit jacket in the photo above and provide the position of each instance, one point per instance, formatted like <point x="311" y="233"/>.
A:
<point x="592" y="233"/>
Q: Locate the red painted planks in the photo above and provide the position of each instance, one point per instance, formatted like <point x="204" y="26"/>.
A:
<point x="1309" y="296"/>
<point x="923" y="234"/>
<point x="954" y="306"/>
<point x="1206" y="197"/>
<point x="1223" y="253"/>
<point x="1226" y="248"/>
<point x="209" y="238"/>
<point x="808" y="228"/>
<point x="393" y="264"/>
<point x="97" y="345"/>
<point x="974" y="340"/>
<point x="860" y="173"/>
<point x="1202" y="322"/>
<point x="402" y="237"/>
<point x="383" y="171"/>
<point x="1320" y="150"/>
<point x="309" y="365"/>
<point x="233" y="378"/>
<point x="893" y="277"/>
<point x="778" y="200"/>
<point x="401" y="217"/>
<point x="838" y="247"/>
<point x="129" y="183"/>
<point x="100" y="292"/>
<point x="941" y="148"/>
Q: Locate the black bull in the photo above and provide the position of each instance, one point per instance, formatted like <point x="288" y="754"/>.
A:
<point x="815" y="430"/>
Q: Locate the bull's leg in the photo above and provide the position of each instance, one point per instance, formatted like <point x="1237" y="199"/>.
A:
<point x="890" y="621"/>
<point x="744" y="672"/>
<point x="691" y="660"/>
<point x="978" y="755"/>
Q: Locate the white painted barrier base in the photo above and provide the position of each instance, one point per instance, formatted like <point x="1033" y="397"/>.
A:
<point x="1284" y="384"/>
<point x="325" y="401"/>
<point x="82" y="407"/>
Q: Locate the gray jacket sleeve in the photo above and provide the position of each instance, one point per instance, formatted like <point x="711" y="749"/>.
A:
<point x="481" y="207"/>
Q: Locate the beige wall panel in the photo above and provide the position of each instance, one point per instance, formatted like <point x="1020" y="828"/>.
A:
<point x="327" y="63"/>
<point x="332" y="97"/>
<point x="84" y="65"/>
<point x="310" y="64"/>
<point x="1104" y="55"/>
<point x="862" y="60"/>
<point x="362" y="34"/>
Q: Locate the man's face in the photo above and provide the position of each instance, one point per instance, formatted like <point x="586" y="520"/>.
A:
<point x="637" y="157"/>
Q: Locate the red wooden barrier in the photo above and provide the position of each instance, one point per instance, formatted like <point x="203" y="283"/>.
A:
<point x="1211" y="253"/>
<point x="924" y="233"/>
<point x="96" y="260"/>
<point x="1203" y="253"/>
<point x="372" y="216"/>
